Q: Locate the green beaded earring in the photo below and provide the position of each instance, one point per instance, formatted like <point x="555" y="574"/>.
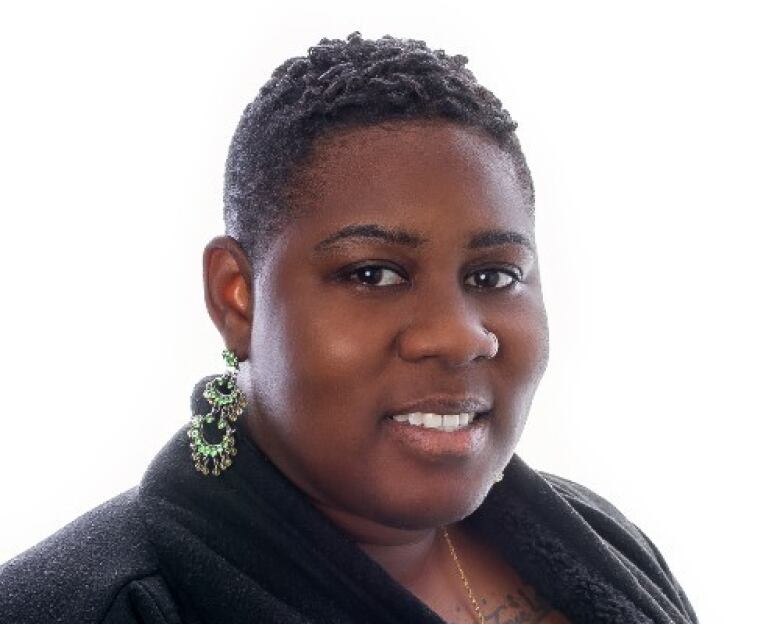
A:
<point x="227" y="402"/>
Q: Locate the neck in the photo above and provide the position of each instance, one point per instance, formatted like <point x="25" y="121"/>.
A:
<point x="405" y="554"/>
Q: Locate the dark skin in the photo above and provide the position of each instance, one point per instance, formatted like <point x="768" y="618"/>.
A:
<point x="333" y="337"/>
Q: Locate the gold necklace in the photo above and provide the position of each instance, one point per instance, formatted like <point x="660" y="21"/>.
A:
<point x="472" y="598"/>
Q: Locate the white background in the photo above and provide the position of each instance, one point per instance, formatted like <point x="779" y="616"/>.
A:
<point x="652" y="132"/>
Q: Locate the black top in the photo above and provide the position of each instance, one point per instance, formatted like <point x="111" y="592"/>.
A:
<point x="247" y="546"/>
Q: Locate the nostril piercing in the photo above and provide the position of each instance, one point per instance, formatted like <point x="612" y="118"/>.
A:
<point x="494" y="338"/>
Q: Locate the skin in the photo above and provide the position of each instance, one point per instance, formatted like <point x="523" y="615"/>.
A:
<point x="327" y="350"/>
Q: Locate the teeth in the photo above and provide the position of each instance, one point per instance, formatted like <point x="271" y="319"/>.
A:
<point x="450" y="420"/>
<point x="416" y="418"/>
<point x="442" y="422"/>
<point x="432" y="421"/>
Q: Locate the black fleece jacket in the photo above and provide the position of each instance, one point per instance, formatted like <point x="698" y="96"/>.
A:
<point x="248" y="547"/>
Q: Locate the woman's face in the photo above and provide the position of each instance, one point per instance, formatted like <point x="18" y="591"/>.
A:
<point x="414" y="241"/>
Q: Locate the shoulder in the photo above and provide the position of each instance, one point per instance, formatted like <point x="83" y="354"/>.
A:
<point x="607" y="520"/>
<point x="594" y="508"/>
<point x="620" y="534"/>
<point x="88" y="571"/>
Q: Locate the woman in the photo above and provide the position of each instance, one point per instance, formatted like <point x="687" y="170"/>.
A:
<point x="378" y="292"/>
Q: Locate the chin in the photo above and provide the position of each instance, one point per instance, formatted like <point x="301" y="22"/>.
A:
<point x="431" y="508"/>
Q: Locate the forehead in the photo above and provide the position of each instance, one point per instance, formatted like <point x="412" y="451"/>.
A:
<point x="410" y="172"/>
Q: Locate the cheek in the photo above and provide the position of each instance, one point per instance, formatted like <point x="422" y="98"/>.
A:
<point x="313" y="377"/>
<point x="534" y="348"/>
<point x="523" y="335"/>
<point x="523" y="355"/>
<point x="333" y="353"/>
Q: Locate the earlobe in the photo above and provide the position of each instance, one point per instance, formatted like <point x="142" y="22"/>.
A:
<point x="227" y="279"/>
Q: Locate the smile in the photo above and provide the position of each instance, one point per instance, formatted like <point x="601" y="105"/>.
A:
<point x="431" y="435"/>
<point x="441" y="422"/>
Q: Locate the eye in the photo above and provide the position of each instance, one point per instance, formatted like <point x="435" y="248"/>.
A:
<point x="382" y="275"/>
<point x="493" y="278"/>
<point x="374" y="275"/>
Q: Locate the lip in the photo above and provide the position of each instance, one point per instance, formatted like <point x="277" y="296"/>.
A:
<point x="442" y="404"/>
<point x="434" y="444"/>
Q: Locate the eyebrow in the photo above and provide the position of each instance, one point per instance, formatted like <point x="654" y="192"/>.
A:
<point x="405" y="238"/>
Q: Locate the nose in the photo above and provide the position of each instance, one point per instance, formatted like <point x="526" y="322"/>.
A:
<point x="446" y="326"/>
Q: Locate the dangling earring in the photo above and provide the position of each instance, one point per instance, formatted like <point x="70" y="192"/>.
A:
<point x="227" y="402"/>
<point x="498" y="477"/>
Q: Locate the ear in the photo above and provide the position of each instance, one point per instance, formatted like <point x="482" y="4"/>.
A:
<point x="227" y="285"/>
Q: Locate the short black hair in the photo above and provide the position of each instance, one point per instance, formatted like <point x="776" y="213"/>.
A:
<point x="339" y="85"/>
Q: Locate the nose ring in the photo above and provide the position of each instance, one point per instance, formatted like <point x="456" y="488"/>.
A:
<point x="494" y="338"/>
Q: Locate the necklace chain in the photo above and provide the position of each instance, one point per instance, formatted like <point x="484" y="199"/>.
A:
<point x="472" y="598"/>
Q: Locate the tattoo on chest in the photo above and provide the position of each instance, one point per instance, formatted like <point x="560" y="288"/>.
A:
<point x="520" y="607"/>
